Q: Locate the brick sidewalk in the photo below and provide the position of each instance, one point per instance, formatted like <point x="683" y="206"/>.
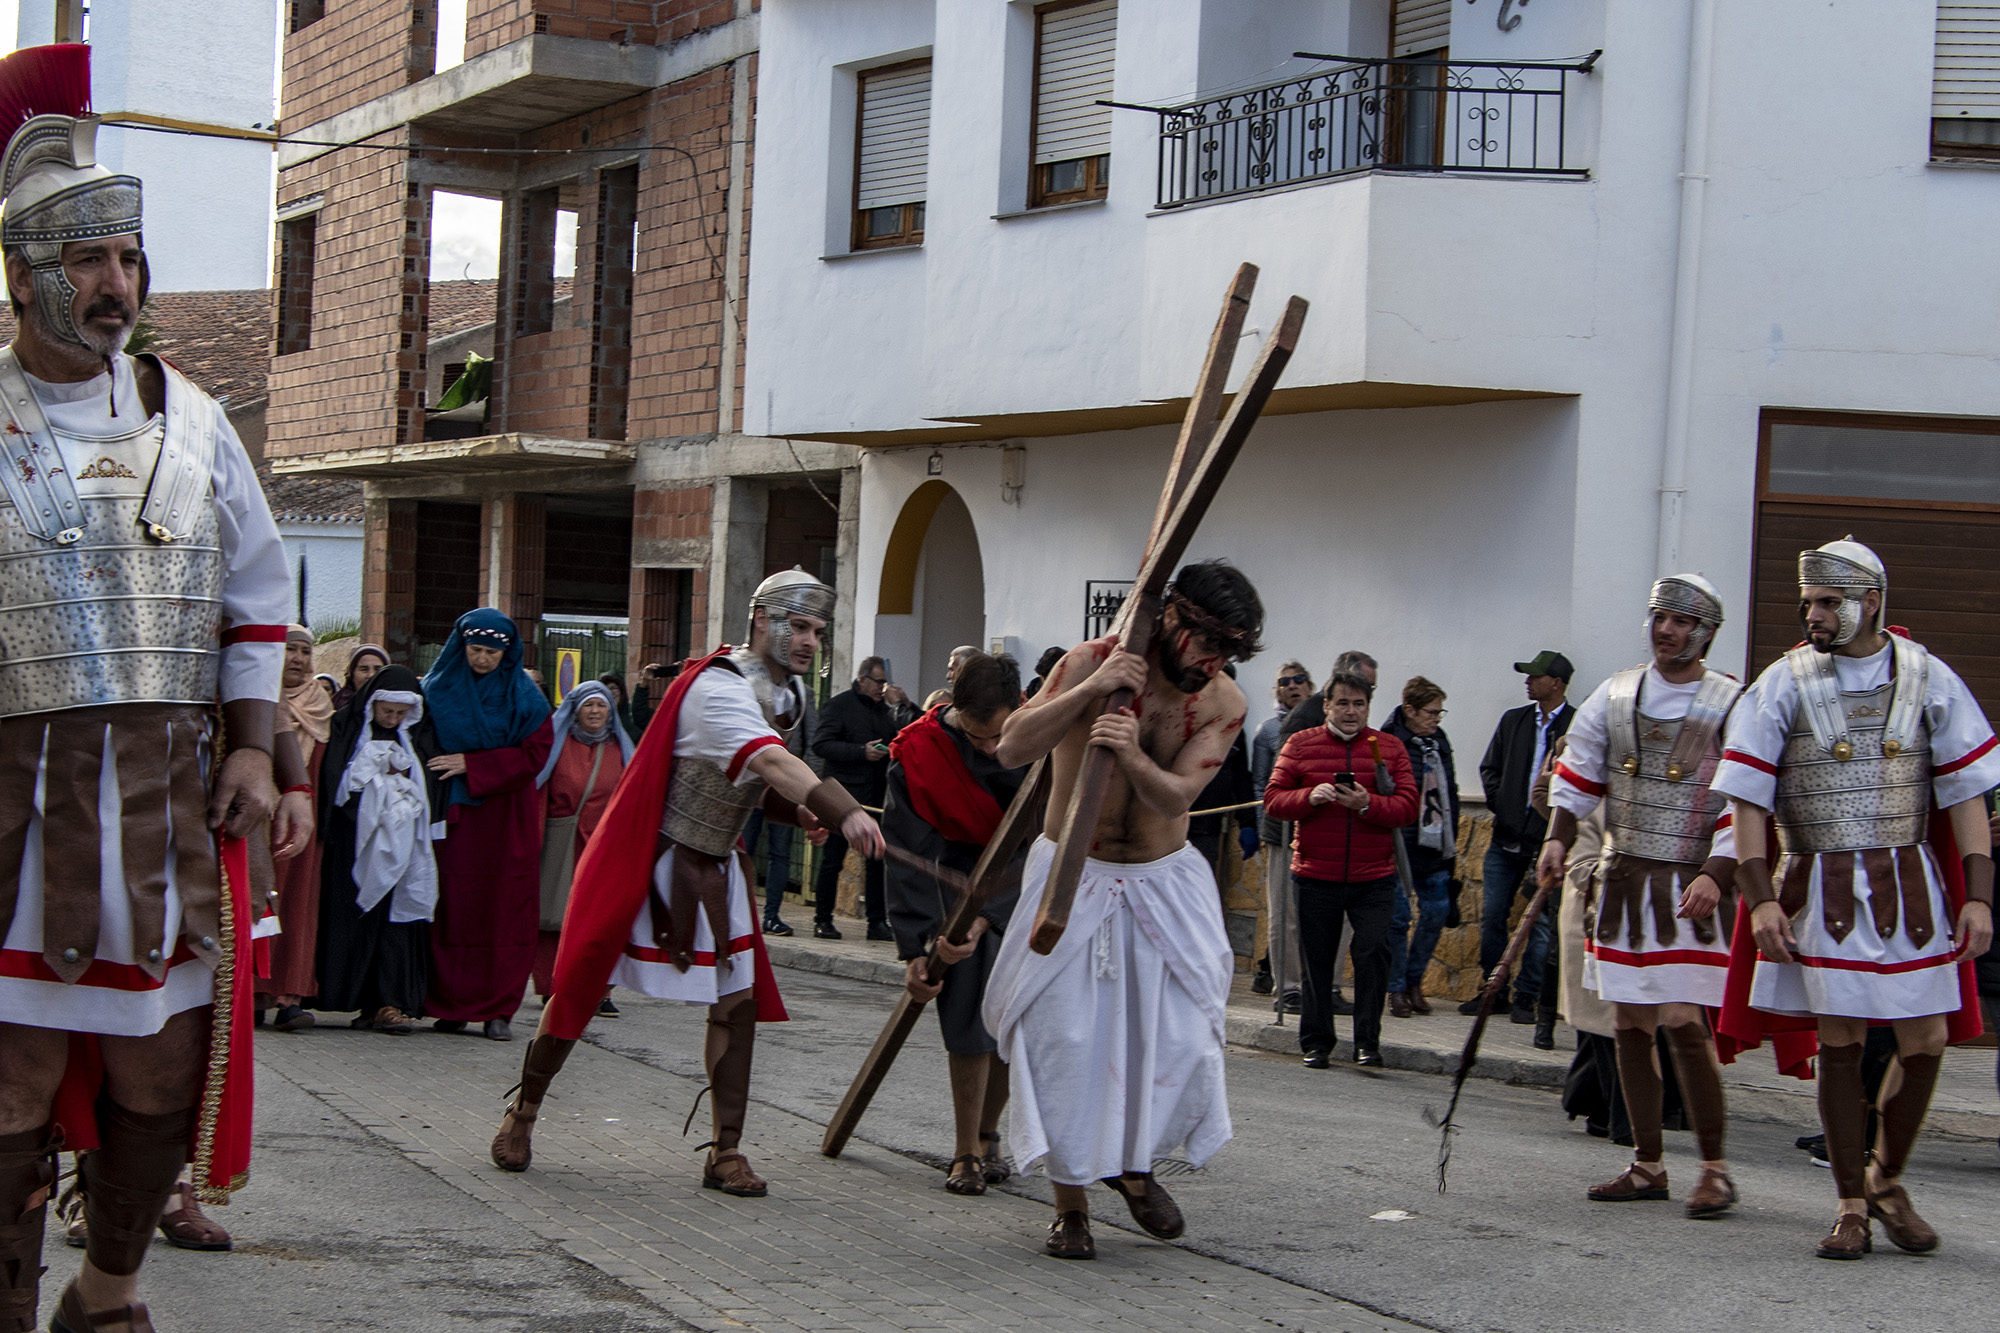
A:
<point x="865" y="1243"/>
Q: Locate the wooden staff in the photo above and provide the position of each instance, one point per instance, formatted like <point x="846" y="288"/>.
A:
<point x="1023" y="816"/>
<point x="1191" y="488"/>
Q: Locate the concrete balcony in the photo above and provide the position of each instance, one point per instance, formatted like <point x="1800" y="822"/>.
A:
<point x="486" y="453"/>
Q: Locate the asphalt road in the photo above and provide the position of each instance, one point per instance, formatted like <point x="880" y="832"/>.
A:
<point x="1329" y="1184"/>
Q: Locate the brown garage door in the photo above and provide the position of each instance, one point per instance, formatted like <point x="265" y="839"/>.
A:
<point x="1943" y="554"/>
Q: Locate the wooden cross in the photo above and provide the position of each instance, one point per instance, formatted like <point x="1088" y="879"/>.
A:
<point x="1201" y="460"/>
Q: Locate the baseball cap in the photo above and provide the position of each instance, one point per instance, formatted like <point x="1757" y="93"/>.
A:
<point x="1547" y="662"/>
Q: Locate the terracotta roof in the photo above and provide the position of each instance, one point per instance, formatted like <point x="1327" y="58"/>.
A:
<point x="311" y="499"/>
<point x="462" y="305"/>
<point x="220" y="340"/>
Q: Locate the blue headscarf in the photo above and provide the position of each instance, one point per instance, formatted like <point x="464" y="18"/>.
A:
<point x="489" y="712"/>
<point x="565" y="725"/>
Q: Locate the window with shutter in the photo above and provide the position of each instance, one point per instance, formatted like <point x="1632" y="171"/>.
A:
<point x="1418" y="30"/>
<point x="892" y="155"/>
<point x="1965" y="83"/>
<point x="1076" y="43"/>
<point x="1419" y="27"/>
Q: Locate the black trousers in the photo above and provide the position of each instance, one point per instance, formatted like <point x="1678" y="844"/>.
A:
<point x="827" y="891"/>
<point x="1323" y="906"/>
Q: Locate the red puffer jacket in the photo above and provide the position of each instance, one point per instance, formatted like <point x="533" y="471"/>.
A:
<point x="1330" y="841"/>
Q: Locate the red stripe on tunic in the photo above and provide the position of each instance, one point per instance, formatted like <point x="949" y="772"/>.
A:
<point x="1857" y="965"/>
<point x="1971" y="757"/>
<point x="1659" y="958"/>
<point x="20" y="965"/>
<point x="702" y="957"/>
<point x="1579" y="781"/>
<point x="743" y="755"/>
<point x="254" y="634"/>
<point x="1749" y="760"/>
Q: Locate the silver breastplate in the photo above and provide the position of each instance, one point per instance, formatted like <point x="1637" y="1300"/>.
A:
<point x="109" y="612"/>
<point x="1869" y="787"/>
<point x="1658" y="803"/>
<point x="705" y="811"/>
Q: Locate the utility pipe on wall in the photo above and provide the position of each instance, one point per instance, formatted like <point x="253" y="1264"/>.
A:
<point x="1687" y="283"/>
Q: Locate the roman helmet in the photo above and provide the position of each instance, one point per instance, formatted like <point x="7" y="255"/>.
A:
<point x="1690" y="595"/>
<point x="1854" y="569"/>
<point x="52" y="190"/>
<point x="785" y="594"/>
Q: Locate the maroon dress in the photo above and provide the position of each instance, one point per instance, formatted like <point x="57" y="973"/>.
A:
<point x="489" y="886"/>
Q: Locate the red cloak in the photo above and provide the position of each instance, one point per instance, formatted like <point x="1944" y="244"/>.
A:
<point x="615" y="873"/>
<point x="943" y="793"/>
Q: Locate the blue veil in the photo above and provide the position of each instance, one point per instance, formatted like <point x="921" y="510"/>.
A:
<point x="491" y="712"/>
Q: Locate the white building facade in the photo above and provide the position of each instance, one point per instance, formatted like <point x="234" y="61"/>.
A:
<point x="1600" y="290"/>
<point x="188" y="64"/>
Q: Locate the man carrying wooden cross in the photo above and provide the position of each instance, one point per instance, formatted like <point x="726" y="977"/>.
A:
<point x="1114" y="1039"/>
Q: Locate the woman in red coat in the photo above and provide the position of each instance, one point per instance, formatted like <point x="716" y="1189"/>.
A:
<point x="493" y="726"/>
<point x="589" y="755"/>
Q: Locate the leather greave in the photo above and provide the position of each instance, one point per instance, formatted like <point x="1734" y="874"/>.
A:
<point x="27" y="1173"/>
<point x="1843" y="1114"/>
<point x="1639" y="1076"/>
<point x="1903" y="1115"/>
<point x="732" y="1034"/>
<point x="1701" y="1086"/>
<point x="127" y="1179"/>
<point x="544" y="1059"/>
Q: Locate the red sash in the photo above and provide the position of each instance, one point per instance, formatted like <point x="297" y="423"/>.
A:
<point x="942" y="792"/>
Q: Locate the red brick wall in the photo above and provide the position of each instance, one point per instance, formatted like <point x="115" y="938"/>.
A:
<point x="447" y="562"/>
<point x="494" y="23"/>
<point x="361" y="49"/>
<point x="389" y="577"/>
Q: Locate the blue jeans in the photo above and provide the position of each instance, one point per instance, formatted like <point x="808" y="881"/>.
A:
<point x="778" y="858"/>
<point x="1506" y="873"/>
<point x="1410" y="957"/>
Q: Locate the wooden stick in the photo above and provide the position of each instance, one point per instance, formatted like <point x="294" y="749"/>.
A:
<point x="1079" y="825"/>
<point x="1023" y="816"/>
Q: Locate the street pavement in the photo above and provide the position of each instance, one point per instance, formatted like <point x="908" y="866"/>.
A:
<point x="372" y="1205"/>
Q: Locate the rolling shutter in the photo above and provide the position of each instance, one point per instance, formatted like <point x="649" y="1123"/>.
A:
<point x="1073" y="61"/>
<point x="1419" y="26"/>
<point x="1966" y="80"/>
<point x="895" y="136"/>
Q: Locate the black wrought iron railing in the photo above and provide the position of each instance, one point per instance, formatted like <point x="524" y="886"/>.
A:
<point x="1371" y="115"/>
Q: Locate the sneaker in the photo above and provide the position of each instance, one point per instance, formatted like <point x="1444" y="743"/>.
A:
<point x="823" y="930"/>
<point x="879" y="930"/>
<point x="606" y="1009"/>
<point x="292" y="1018"/>
<point x="1471" y="1006"/>
<point x="497" y="1029"/>
<point x="773" y="926"/>
<point x="1294" y="1002"/>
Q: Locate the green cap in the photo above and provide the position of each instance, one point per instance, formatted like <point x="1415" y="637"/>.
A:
<point x="1547" y="662"/>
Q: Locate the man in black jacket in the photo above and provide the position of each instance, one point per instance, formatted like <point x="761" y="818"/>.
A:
<point x="1508" y="774"/>
<point x="855" y="728"/>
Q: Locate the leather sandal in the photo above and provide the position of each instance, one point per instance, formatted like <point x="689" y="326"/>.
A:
<point x="186" y="1226"/>
<point x="70" y="1316"/>
<point x="393" y="1021"/>
<point x="1635" y="1184"/>
<point x="513" y="1147"/>
<point x="1907" y="1231"/>
<point x="1850" y="1238"/>
<point x="1713" y="1196"/>
<point x="995" y="1166"/>
<point x="972" y="1180"/>
<point x="1069" y="1236"/>
<point x="730" y="1172"/>
<point x="1152" y="1208"/>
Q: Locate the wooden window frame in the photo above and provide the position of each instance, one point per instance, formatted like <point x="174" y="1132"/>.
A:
<point x="1096" y="170"/>
<point x="912" y="230"/>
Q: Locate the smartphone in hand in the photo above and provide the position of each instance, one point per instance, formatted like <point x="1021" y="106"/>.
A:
<point x="1344" y="780"/>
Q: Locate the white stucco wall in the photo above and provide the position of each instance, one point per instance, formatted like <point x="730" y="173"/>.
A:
<point x="208" y="201"/>
<point x="1839" y="269"/>
<point x="331" y="555"/>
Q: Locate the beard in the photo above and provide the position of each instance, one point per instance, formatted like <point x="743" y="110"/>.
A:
<point x="107" y="344"/>
<point x="1182" y="676"/>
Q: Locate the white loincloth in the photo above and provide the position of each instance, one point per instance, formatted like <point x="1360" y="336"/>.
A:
<point x="1686" y="971"/>
<point x="1114" y="1041"/>
<point x="644" y="966"/>
<point x="1864" y="975"/>
<point x="115" y="997"/>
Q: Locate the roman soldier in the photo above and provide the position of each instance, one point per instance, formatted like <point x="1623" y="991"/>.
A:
<point x="1646" y="744"/>
<point x="661" y="900"/>
<point x="141" y="581"/>
<point x="1871" y="756"/>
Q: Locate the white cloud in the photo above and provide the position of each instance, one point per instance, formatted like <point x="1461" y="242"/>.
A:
<point x="465" y="237"/>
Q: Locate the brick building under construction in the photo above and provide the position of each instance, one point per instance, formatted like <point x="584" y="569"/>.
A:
<point x="600" y="490"/>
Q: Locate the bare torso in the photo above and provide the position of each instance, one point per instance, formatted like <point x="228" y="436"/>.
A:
<point x="1181" y="740"/>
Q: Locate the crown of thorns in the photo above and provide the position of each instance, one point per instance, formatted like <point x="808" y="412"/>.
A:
<point x="1234" y="640"/>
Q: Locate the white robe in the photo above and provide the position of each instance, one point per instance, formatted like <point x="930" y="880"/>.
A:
<point x="1114" y="1041"/>
<point x="392" y="831"/>
<point x="1863" y="975"/>
<point x="116" y="997"/>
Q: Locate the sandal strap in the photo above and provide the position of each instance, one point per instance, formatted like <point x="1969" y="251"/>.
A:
<point x="971" y="1157"/>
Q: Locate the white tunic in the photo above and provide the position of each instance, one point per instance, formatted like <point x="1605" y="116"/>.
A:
<point x="115" y="996"/>
<point x="1114" y="1041"/>
<point x="720" y="721"/>
<point x="1684" y="970"/>
<point x="1863" y="975"/>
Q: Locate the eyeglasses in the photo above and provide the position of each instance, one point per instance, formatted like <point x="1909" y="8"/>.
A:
<point x="1293" y="680"/>
<point x="1431" y="712"/>
<point x="876" y="680"/>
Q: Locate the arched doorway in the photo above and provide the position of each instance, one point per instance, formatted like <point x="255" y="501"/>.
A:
<point x="933" y="592"/>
